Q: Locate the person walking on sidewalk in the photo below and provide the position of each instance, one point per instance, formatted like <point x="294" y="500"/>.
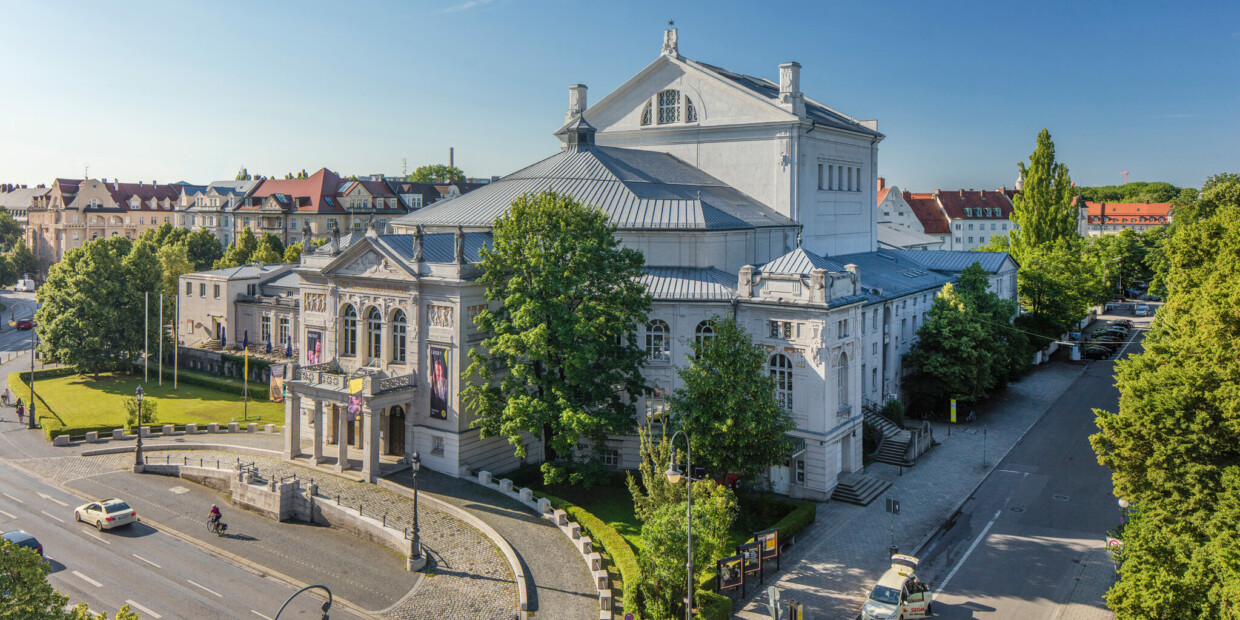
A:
<point x="20" y="412"/>
<point x="6" y="397"/>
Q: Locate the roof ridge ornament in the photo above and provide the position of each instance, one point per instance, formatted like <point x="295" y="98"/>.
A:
<point x="670" y="47"/>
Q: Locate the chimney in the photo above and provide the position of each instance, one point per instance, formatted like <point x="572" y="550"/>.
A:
<point x="856" y="277"/>
<point x="936" y="192"/>
<point x="1002" y="189"/>
<point x="962" y="193"/>
<point x="790" y="97"/>
<point x="154" y="183"/>
<point x="881" y="183"/>
<point x="576" y="102"/>
<point x="116" y="185"/>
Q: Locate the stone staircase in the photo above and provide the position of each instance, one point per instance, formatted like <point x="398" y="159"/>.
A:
<point x="858" y="489"/>
<point x="893" y="449"/>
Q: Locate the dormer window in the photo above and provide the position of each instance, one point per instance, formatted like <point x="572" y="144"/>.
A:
<point x="669" y="107"/>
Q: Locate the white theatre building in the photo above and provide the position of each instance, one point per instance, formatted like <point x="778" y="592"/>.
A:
<point x="747" y="198"/>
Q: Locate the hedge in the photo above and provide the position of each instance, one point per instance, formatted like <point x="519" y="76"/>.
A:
<point x="221" y="384"/>
<point x="797" y="520"/>
<point x="606" y="540"/>
<point x="712" y="606"/>
<point x="46" y="373"/>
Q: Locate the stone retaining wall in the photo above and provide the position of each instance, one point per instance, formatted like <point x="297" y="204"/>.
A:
<point x="165" y="431"/>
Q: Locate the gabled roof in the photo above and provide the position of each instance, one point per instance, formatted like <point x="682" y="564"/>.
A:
<point x="981" y="204"/>
<point x="955" y="261"/>
<point x="800" y="261"/>
<point x="900" y="237"/>
<point x="882" y="194"/>
<point x="689" y="283"/>
<point x="927" y="210"/>
<point x="637" y="189"/>
<point x="1128" y="210"/>
<point x="21" y="197"/>
<point x="323" y="183"/>
<point x="123" y="192"/>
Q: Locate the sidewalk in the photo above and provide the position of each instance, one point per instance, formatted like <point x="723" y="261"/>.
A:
<point x="1096" y="576"/>
<point x="838" y="558"/>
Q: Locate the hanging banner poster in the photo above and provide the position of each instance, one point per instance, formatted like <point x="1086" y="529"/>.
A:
<point x="752" y="554"/>
<point x="277" y="384"/>
<point x="731" y="573"/>
<point x="314" y="347"/>
<point x="355" y="399"/>
<point x="439" y="384"/>
<point x="770" y="543"/>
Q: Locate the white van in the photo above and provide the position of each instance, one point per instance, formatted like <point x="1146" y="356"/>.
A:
<point x="1141" y="309"/>
<point x="25" y="285"/>
<point x="898" y="594"/>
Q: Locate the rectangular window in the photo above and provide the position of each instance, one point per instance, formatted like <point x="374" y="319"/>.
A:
<point x="957" y="228"/>
<point x="957" y="241"/>
<point x="284" y="330"/>
<point x="850" y="178"/>
<point x="970" y="239"/>
<point x="611" y="458"/>
<point x="189" y="290"/>
<point x="247" y="225"/>
<point x="437" y="447"/>
<point x="656" y="408"/>
<point x="669" y="106"/>
<point x="831" y="176"/>
<point x="202" y="292"/>
<point x="292" y="224"/>
<point x="780" y="329"/>
<point x="331" y="225"/>
<point x="216" y="292"/>
<point x="820" y="186"/>
<point x="266" y="328"/>
<point x="251" y="290"/>
<point x="873" y="383"/>
<point x="800" y="475"/>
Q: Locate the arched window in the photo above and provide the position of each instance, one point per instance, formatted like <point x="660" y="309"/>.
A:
<point x="646" y="113"/>
<point x="704" y="333"/>
<point x="348" y="335"/>
<point x="669" y="107"/>
<point x="398" y="337"/>
<point x="842" y="371"/>
<point x="690" y="111"/>
<point x="657" y="345"/>
<point x="781" y="372"/>
<point x="374" y="333"/>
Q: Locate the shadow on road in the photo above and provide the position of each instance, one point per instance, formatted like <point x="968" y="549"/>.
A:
<point x="136" y="530"/>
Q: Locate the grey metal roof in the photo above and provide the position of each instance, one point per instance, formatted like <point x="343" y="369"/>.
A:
<point x="955" y="261"/>
<point x="288" y="279"/>
<point x="233" y="187"/>
<point x="345" y="241"/>
<point x="800" y="261"/>
<point x="21" y="197"/>
<point x="893" y="273"/>
<point x="439" y="247"/>
<point x="899" y="237"/>
<point x="241" y="273"/>
<point x="637" y="189"/>
<point x="813" y="109"/>
<point x="689" y="283"/>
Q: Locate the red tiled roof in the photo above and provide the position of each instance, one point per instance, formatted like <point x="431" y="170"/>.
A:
<point x="882" y="194"/>
<point x="123" y="192"/>
<point x="309" y="193"/>
<point x="927" y="210"/>
<point x="981" y="204"/>
<point x="1154" y="213"/>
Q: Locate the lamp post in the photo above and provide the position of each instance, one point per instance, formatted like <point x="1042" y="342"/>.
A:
<point x="30" y="423"/>
<point x="415" y="465"/>
<point x="137" y="462"/>
<point x="1123" y="511"/>
<point x="674" y="475"/>
<point x="326" y="606"/>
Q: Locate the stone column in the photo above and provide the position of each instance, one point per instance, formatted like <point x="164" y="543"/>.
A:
<point x="370" y="463"/>
<point x="292" y="426"/>
<point x="318" y="431"/>
<point x="342" y="439"/>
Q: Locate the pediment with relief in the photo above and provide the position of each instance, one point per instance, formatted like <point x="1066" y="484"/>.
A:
<point x="369" y="264"/>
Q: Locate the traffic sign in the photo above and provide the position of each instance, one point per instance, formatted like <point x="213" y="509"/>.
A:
<point x="772" y="594"/>
<point x="953" y="410"/>
<point x="893" y="506"/>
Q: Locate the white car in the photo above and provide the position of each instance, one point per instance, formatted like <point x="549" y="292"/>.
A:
<point x="106" y="514"/>
<point x="1141" y="310"/>
<point x="898" y="594"/>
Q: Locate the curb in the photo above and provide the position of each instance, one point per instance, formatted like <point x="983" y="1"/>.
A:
<point x="955" y="509"/>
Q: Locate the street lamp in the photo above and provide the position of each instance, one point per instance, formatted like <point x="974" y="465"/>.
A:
<point x="137" y="462"/>
<point x="30" y="422"/>
<point x="674" y="475"/>
<point x="416" y="464"/>
<point x="1123" y="511"/>
<point x="326" y="606"/>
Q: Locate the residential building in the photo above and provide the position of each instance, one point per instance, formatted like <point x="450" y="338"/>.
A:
<point x="210" y="207"/>
<point x="75" y="211"/>
<point x="414" y="196"/>
<point x="747" y="199"/>
<point x="324" y="202"/>
<point x="18" y="199"/>
<point x="1109" y="218"/>
<point x="898" y="226"/>
<point x="964" y="219"/>
<point x="221" y="307"/>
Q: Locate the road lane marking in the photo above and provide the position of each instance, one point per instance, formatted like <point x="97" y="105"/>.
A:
<point x="52" y="516"/>
<point x="964" y="557"/>
<point x="260" y="615"/>
<point x="11" y="517"/>
<point x="88" y="580"/>
<point x="98" y="538"/>
<point x="205" y="588"/>
<point x="13" y="498"/>
<point x="52" y="499"/>
<point x="1007" y="471"/>
<point x="143" y="559"/>
<point x="143" y="609"/>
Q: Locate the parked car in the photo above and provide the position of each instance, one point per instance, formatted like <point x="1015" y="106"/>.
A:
<point x="106" y="514"/>
<point x="1141" y="310"/>
<point x="1125" y="322"/>
<point x="1097" y="353"/>
<point x="22" y="539"/>
<point x="24" y="323"/>
<point x="898" y="593"/>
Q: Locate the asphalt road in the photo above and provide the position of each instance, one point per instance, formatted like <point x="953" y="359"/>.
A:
<point x="158" y="575"/>
<point x="1015" y="548"/>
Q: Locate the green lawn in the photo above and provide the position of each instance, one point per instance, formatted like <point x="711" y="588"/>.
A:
<point x="79" y="403"/>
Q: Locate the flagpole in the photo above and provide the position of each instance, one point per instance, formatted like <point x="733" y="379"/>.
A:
<point x="176" y="339"/>
<point x="161" y="339"/>
<point x="146" y="337"/>
<point x="246" y="372"/>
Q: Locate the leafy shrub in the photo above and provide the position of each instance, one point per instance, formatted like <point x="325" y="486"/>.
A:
<point x="893" y="410"/>
<point x="797" y="520"/>
<point x="150" y="412"/>
<point x="712" y="606"/>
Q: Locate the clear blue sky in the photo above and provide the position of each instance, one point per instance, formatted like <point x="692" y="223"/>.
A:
<point x="167" y="91"/>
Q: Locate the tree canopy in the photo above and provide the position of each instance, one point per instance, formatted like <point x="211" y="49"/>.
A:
<point x="1174" y="445"/>
<point x="726" y="404"/>
<point x="240" y="252"/>
<point x="1043" y="210"/>
<point x="28" y="595"/>
<point x="11" y="232"/>
<point x="436" y="172"/>
<point x="243" y="174"/>
<point x="1136" y="191"/>
<point x="565" y="309"/>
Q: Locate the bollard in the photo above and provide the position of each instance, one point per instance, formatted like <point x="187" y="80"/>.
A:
<point x="385" y="519"/>
<point x="359" y="510"/>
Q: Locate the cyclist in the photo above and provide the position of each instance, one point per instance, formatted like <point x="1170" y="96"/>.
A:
<point x="214" y="516"/>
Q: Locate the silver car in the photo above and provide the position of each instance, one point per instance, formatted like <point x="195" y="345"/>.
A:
<point x="106" y="514"/>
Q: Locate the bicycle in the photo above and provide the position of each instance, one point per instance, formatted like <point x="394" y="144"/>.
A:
<point x="216" y="527"/>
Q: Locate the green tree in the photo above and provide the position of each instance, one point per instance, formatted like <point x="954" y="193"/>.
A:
<point x="10" y="231"/>
<point x="150" y="412"/>
<point x="437" y="172"/>
<point x="1043" y="209"/>
<point x="203" y="249"/>
<point x="174" y="262"/>
<point x="565" y="330"/>
<point x="271" y="241"/>
<point x="266" y="255"/>
<point x="665" y="546"/>
<point x="953" y="357"/>
<point x="292" y="254"/>
<point x="8" y="275"/>
<point x="650" y="488"/>
<point x="1055" y="288"/>
<point x="1011" y="346"/>
<point x="243" y="174"/>
<point x="240" y="252"/>
<point x="726" y="404"/>
<point x="28" y="595"/>
<point x="23" y="260"/>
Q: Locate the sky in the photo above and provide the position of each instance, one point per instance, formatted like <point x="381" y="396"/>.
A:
<point x="170" y="91"/>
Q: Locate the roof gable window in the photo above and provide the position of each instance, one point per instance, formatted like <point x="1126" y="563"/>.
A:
<point x="690" y="111"/>
<point x="646" y="113"/>
<point x="669" y="106"/>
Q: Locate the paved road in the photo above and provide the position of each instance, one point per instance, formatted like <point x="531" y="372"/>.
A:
<point x="157" y="574"/>
<point x="1028" y="543"/>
